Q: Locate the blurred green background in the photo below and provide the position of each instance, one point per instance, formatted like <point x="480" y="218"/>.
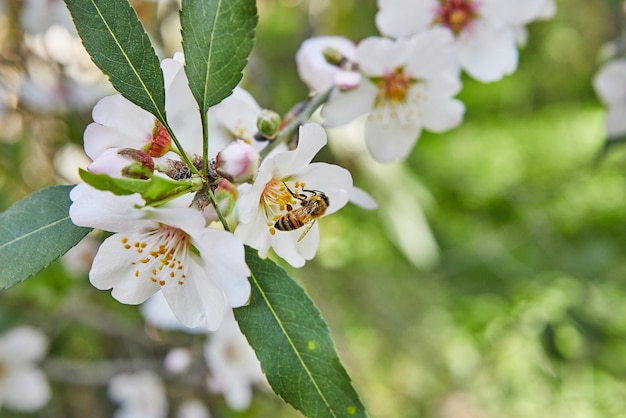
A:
<point x="490" y="282"/>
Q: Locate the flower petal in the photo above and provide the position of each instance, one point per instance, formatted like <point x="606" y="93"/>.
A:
<point x="312" y="137"/>
<point x="398" y="18"/>
<point x="442" y="114"/>
<point x="23" y="344"/>
<point x="387" y="142"/>
<point x="200" y="300"/>
<point x="27" y="389"/>
<point x="609" y="81"/>
<point x="114" y="268"/>
<point x="345" y="106"/>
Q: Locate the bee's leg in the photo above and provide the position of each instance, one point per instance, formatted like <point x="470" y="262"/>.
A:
<point x="300" y="197"/>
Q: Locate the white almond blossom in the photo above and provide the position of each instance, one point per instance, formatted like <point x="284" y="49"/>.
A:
<point x="327" y="61"/>
<point x="234" y="367"/>
<point x="486" y="31"/>
<point x="199" y="270"/>
<point x="23" y="386"/>
<point x="139" y="395"/>
<point x="271" y="196"/>
<point x="610" y="85"/>
<point x="408" y="84"/>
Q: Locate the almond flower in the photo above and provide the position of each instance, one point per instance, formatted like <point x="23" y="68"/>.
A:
<point x="271" y="197"/>
<point x="408" y="85"/>
<point x="199" y="270"/>
<point x="23" y="386"/>
<point x="610" y="85"/>
<point x="486" y="32"/>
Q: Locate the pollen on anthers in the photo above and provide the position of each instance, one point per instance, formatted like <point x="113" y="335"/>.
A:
<point x="277" y="200"/>
<point x="160" y="254"/>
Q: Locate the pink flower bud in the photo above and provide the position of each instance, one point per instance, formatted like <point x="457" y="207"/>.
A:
<point x="238" y="162"/>
<point x="123" y="162"/>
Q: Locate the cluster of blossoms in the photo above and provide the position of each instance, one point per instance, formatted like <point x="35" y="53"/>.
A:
<point x="178" y="247"/>
<point x="406" y="81"/>
<point x="182" y="245"/>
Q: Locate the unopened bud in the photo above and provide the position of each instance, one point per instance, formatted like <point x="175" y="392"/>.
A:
<point x="123" y="162"/>
<point x="268" y="123"/>
<point x="238" y="162"/>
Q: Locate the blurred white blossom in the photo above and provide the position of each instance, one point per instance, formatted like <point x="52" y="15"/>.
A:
<point x="139" y="395"/>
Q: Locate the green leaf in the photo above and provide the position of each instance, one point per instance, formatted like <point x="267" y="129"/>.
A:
<point x="155" y="190"/>
<point x="218" y="36"/>
<point x="34" y="232"/>
<point x="293" y="344"/>
<point x="119" y="46"/>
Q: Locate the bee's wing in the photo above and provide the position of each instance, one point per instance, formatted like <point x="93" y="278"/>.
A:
<point x="307" y="228"/>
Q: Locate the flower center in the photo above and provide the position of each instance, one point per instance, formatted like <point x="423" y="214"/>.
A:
<point x="161" y="141"/>
<point x="392" y="87"/>
<point x="163" y="253"/>
<point x="456" y="14"/>
<point x="277" y="200"/>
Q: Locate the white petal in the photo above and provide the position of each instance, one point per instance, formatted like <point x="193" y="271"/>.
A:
<point x="103" y="210"/>
<point x="513" y="12"/>
<point x="119" y="113"/>
<point x="255" y="234"/>
<point x="345" y="106"/>
<point x="157" y="312"/>
<point x="171" y="67"/>
<point x="441" y="114"/>
<point x="398" y="18"/>
<point x="200" y="300"/>
<point x="22" y="345"/>
<point x="27" y="389"/>
<point x="486" y="54"/>
<point x="311" y="139"/>
<point x="378" y="56"/>
<point x="183" y="115"/>
<point x="331" y="179"/>
<point x="616" y="121"/>
<point x="114" y="268"/>
<point x="313" y="68"/>
<point x="98" y="138"/>
<point x="431" y="53"/>
<point x="609" y="82"/>
<point x="362" y="199"/>
<point x="223" y="253"/>
<point x="284" y="244"/>
<point x="387" y="142"/>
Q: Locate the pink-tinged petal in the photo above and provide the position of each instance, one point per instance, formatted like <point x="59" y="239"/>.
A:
<point x="441" y="114"/>
<point x="23" y="344"/>
<point x="379" y="56"/>
<point x="314" y="69"/>
<point x="487" y="54"/>
<point x="103" y="210"/>
<point x="200" y="300"/>
<point x="388" y="142"/>
<point x="311" y="139"/>
<point x="114" y="268"/>
<point x="432" y="52"/>
<point x="119" y="113"/>
<point x="345" y="106"/>
<point x="399" y="18"/>
<point x="331" y="179"/>
<point x="98" y="138"/>
<point x="224" y="254"/>
<point x="616" y="121"/>
<point x="27" y="389"/>
<point x="609" y="82"/>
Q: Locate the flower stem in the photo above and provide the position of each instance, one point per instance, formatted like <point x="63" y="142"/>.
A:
<point x="287" y="132"/>
<point x="217" y="209"/>
<point x="181" y="151"/>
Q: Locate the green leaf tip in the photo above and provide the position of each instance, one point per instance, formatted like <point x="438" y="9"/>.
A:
<point x="118" y="44"/>
<point x="293" y="344"/>
<point x="34" y="232"/>
<point x="218" y="36"/>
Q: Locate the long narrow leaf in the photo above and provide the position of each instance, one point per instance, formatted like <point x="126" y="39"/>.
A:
<point x="119" y="46"/>
<point x="218" y="36"/>
<point x="34" y="232"/>
<point x="294" y="346"/>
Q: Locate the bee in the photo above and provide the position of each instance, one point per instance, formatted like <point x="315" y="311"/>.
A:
<point x="311" y="208"/>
